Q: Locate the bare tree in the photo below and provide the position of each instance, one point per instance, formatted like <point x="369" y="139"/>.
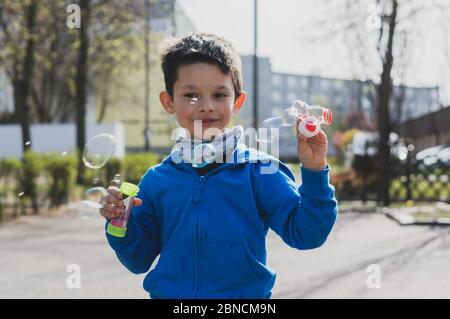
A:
<point x="81" y="83"/>
<point x="19" y="42"/>
<point x="384" y="95"/>
<point x="384" y="46"/>
<point x="52" y="93"/>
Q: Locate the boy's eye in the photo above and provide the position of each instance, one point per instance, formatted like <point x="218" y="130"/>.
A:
<point x="220" y="95"/>
<point x="191" y="96"/>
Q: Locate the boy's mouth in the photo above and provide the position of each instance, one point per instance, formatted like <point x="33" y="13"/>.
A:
<point x="206" y="120"/>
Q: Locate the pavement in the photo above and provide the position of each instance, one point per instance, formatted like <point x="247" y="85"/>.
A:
<point x="410" y="261"/>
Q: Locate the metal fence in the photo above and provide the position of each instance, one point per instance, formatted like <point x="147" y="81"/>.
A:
<point x="413" y="179"/>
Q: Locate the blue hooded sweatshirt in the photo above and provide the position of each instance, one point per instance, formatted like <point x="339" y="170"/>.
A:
<point x="210" y="230"/>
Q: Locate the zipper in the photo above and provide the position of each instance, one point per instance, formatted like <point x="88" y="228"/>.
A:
<point x="197" y="197"/>
<point x="197" y="233"/>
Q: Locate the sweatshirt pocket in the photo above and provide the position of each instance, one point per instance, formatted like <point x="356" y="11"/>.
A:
<point x="225" y="272"/>
<point x="172" y="277"/>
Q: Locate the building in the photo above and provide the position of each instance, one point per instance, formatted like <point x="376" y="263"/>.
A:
<point x="428" y="130"/>
<point x="278" y="90"/>
<point x="166" y="17"/>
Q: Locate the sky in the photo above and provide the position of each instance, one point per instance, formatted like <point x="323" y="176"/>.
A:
<point x="286" y="25"/>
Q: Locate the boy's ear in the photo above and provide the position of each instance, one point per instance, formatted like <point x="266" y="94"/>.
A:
<point x="239" y="102"/>
<point x="166" y="102"/>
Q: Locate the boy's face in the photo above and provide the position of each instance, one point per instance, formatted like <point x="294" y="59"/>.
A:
<point x="203" y="95"/>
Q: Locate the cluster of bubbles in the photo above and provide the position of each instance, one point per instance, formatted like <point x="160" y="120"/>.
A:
<point x="100" y="148"/>
<point x="310" y="118"/>
<point x="96" y="154"/>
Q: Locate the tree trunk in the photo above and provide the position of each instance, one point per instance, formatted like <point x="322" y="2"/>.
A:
<point x="22" y="81"/>
<point x="22" y="89"/>
<point x="384" y="93"/>
<point x="81" y="83"/>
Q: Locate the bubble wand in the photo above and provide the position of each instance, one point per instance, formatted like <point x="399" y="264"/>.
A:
<point x="118" y="226"/>
<point x="311" y="116"/>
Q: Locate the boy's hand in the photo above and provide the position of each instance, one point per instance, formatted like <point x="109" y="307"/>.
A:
<point x="312" y="151"/>
<point x="113" y="206"/>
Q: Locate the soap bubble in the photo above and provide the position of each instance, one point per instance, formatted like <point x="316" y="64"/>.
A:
<point x="193" y="100"/>
<point x="116" y="181"/>
<point x="288" y="118"/>
<point x="98" y="150"/>
<point x="203" y="155"/>
<point x="311" y="118"/>
<point x="92" y="202"/>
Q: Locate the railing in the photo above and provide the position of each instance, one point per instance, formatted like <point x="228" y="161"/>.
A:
<point x="411" y="179"/>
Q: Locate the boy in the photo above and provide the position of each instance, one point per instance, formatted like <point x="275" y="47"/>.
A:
<point x="208" y="222"/>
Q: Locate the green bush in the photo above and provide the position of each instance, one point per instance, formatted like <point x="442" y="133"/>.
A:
<point x="27" y="175"/>
<point x="135" y="165"/>
<point x="62" y="172"/>
<point x="56" y="176"/>
<point x="112" y="168"/>
<point x="8" y="167"/>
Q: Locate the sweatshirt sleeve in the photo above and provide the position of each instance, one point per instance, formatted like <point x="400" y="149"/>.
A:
<point x="302" y="217"/>
<point x="141" y="244"/>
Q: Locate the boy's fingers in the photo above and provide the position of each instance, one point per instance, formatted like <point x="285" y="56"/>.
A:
<point x="113" y="201"/>
<point x="114" y="191"/>
<point x="111" y="212"/>
<point x="137" y="202"/>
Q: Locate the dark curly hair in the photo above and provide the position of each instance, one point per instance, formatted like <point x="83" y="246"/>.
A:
<point x="201" y="47"/>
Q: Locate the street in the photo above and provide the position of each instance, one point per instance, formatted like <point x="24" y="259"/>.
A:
<point x="413" y="261"/>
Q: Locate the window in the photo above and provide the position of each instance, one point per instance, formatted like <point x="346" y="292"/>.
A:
<point x="292" y="82"/>
<point x="434" y="95"/>
<point x="276" y="97"/>
<point x="305" y="82"/>
<point x="338" y="84"/>
<point x="324" y="84"/>
<point x="291" y="96"/>
<point x="409" y="93"/>
<point x="276" y="111"/>
<point x="277" y="80"/>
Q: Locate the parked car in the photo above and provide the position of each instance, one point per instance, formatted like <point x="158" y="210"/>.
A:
<point x="366" y="144"/>
<point x="434" y="157"/>
<point x="444" y="156"/>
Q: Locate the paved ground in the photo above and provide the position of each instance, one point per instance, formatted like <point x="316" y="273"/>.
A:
<point x="414" y="261"/>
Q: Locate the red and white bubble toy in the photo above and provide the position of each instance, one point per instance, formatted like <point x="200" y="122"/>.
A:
<point x="311" y="116"/>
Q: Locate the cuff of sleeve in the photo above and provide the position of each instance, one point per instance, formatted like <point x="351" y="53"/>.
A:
<point x="314" y="182"/>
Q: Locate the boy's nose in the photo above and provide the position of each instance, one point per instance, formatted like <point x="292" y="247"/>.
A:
<point x="206" y="105"/>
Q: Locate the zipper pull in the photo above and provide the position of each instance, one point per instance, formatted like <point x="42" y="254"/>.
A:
<point x="198" y="189"/>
